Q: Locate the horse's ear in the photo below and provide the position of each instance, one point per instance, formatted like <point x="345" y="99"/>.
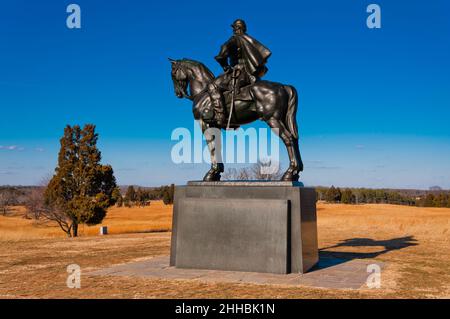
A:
<point x="172" y="61"/>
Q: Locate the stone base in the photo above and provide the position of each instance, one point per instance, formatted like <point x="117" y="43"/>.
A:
<point x="245" y="226"/>
<point x="330" y="272"/>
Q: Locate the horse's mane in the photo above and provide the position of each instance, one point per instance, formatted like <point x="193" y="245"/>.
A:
<point x="198" y="65"/>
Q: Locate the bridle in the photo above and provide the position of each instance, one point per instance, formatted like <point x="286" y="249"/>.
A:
<point x="182" y="87"/>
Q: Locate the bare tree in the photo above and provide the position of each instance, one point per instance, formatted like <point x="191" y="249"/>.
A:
<point x="262" y="170"/>
<point x="38" y="209"/>
<point x="34" y="203"/>
<point x="55" y="215"/>
<point x="8" y="198"/>
<point x="241" y="174"/>
<point x="266" y="170"/>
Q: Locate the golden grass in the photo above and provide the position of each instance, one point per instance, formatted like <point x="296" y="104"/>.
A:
<point x="413" y="242"/>
<point x="120" y="220"/>
<point x="423" y="222"/>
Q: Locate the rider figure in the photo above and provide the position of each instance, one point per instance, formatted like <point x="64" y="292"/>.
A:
<point x="242" y="57"/>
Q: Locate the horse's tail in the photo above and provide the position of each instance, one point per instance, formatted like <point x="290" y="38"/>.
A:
<point x="291" y="113"/>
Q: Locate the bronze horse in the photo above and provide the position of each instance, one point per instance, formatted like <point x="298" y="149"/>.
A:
<point x="271" y="102"/>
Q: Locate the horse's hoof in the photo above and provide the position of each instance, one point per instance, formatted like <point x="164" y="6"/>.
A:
<point x="290" y="177"/>
<point x="212" y="177"/>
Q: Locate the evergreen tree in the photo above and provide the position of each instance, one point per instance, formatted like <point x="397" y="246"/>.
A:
<point x="333" y="195"/>
<point x="166" y="197"/>
<point x="429" y="201"/>
<point x="81" y="188"/>
<point x="130" y="196"/>
<point x="168" y="194"/>
<point x="117" y="196"/>
<point x="120" y="201"/>
<point x="172" y="192"/>
<point x="348" y="197"/>
<point x="142" y="197"/>
<point x="329" y="195"/>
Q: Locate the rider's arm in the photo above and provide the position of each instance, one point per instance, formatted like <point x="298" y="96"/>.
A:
<point x="223" y="55"/>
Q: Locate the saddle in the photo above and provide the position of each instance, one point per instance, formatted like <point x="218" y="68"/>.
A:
<point x="243" y="95"/>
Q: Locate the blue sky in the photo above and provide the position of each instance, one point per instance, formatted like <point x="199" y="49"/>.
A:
<point x="374" y="105"/>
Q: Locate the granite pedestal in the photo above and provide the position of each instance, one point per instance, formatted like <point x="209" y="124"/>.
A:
<point x="245" y="226"/>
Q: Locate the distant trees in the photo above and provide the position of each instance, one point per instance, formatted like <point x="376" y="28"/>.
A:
<point x="168" y="194"/>
<point x="119" y="202"/>
<point x="130" y="195"/>
<point x="333" y="195"/>
<point x="266" y="170"/>
<point x="242" y="174"/>
<point x="81" y="189"/>
<point x="8" y="198"/>
<point x="35" y="204"/>
<point x="262" y="170"/>
<point x="143" y="196"/>
<point x="436" y="200"/>
<point x="348" y="197"/>
<point x="379" y="196"/>
<point x="117" y="197"/>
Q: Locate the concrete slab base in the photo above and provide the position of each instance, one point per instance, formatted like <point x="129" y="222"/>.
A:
<point x="329" y="273"/>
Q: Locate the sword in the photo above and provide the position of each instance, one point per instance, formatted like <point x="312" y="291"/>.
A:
<point x="233" y="76"/>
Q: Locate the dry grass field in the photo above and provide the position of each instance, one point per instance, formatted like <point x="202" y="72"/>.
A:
<point x="120" y="220"/>
<point x="414" y="244"/>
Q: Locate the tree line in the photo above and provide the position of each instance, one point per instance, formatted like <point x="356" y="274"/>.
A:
<point x="382" y="196"/>
<point x="143" y="197"/>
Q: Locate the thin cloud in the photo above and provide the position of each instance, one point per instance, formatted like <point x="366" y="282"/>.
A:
<point x="325" y="167"/>
<point x="314" y="162"/>
<point x="6" y="173"/>
<point x="11" y="148"/>
<point x="319" y="164"/>
<point x="16" y="167"/>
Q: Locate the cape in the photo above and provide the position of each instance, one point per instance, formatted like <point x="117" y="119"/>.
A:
<point x="253" y="53"/>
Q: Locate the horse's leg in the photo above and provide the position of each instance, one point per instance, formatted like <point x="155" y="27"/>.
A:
<point x="216" y="166"/>
<point x="278" y="127"/>
<point x="299" y="157"/>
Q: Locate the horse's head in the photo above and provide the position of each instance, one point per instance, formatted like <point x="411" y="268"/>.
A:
<point x="180" y="78"/>
<point x="189" y="74"/>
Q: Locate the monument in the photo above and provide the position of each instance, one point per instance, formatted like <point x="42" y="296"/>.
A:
<point x="259" y="226"/>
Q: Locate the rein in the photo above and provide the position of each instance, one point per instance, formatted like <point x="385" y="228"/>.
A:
<point x="192" y="96"/>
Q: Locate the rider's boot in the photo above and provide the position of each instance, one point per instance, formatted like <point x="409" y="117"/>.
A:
<point x="217" y="103"/>
<point x="219" y="114"/>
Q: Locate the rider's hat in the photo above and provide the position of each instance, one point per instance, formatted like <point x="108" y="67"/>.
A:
<point x="240" y="23"/>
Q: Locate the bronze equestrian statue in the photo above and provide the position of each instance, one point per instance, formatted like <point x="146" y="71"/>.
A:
<point x="241" y="94"/>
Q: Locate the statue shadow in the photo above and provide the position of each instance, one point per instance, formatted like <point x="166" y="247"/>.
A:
<point x="329" y="258"/>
